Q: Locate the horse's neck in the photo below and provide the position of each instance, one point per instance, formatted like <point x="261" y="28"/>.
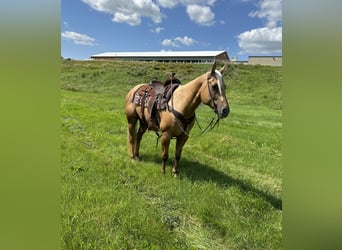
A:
<point x="187" y="97"/>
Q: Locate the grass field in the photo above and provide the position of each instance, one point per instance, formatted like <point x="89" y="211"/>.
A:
<point x="228" y="195"/>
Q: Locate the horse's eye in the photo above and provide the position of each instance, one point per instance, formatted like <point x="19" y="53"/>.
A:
<point x="215" y="86"/>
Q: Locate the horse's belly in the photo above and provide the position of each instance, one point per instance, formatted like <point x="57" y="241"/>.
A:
<point x="152" y="125"/>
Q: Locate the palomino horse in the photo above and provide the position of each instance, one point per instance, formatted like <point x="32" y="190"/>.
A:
<point x="178" y="118"/>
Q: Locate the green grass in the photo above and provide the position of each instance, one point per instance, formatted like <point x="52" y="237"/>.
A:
<point x="229" y="193"/>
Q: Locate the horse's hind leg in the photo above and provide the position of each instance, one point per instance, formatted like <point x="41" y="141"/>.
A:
<point x="181" y="140"/>
<point x="141" y="131"/>
<point x="131" y="137"/>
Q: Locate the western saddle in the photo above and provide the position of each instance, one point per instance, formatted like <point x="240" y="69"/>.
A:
<point x="154" y="97"/>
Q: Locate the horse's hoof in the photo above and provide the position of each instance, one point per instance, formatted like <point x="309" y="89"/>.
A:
<point x="136" y="158"/>
<point x="175" y="174"/>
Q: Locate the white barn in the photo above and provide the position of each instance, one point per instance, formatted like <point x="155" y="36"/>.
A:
<point x="166" y="56"/>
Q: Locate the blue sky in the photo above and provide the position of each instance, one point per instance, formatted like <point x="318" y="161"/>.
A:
<point x="242" y="27"/>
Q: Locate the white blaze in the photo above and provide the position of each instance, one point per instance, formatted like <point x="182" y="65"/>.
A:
<point x="219" y="79"/>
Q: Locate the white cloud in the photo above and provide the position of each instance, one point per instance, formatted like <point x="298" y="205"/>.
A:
<point x="169" y="42"/>
<point x="262" y="40"/>
<point x="179" y="41"/>
<point x="168" y="3"/>
<point x="174" y="3"/>
<point x="157" y="29"/>
<point x="271" y="10"/>
<point x="201" y="14"/>
<point x="132" y="11"/>
<point x="188" y="41"/>
<point x="77" y="38"/>
<point x="132" y="19"/>
<point x="127" y="11"/>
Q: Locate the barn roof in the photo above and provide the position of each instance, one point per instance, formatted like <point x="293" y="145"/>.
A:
<point x="161" y="54"/>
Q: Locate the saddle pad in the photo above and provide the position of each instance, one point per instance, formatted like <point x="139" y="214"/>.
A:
<point x="142" y="94"/>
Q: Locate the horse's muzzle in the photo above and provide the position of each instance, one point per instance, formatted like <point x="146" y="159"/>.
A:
<point x="222" y="113"/>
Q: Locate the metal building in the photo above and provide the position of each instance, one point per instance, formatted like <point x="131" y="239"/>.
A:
<point x="166" y="56"/>
<point x="265" y="60"/>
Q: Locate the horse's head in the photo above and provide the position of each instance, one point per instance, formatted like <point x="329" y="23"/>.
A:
<point x="214" y="93"/>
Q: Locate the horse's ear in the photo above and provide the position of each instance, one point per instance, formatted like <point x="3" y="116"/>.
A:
<point x="223" y="69"/>
<point x="213" y="68"/>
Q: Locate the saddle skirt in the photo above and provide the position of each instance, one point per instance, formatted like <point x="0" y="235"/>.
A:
<point x="154" y="98"/>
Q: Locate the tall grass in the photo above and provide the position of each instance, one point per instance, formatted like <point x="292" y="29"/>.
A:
<point x="229" y="193"/>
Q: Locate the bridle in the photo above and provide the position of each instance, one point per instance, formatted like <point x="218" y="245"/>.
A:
<point x="211" y="124"/>
<point x="212" y="95"/>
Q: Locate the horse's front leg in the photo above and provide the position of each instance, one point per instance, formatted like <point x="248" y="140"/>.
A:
<point x="165" y="141"/>
<point x="181" y="140"/>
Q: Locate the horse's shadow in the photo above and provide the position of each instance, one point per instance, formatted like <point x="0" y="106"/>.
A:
<point x="196" y="171"/>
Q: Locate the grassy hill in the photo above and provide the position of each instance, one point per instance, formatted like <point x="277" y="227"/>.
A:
<point x="229" y="193"/>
